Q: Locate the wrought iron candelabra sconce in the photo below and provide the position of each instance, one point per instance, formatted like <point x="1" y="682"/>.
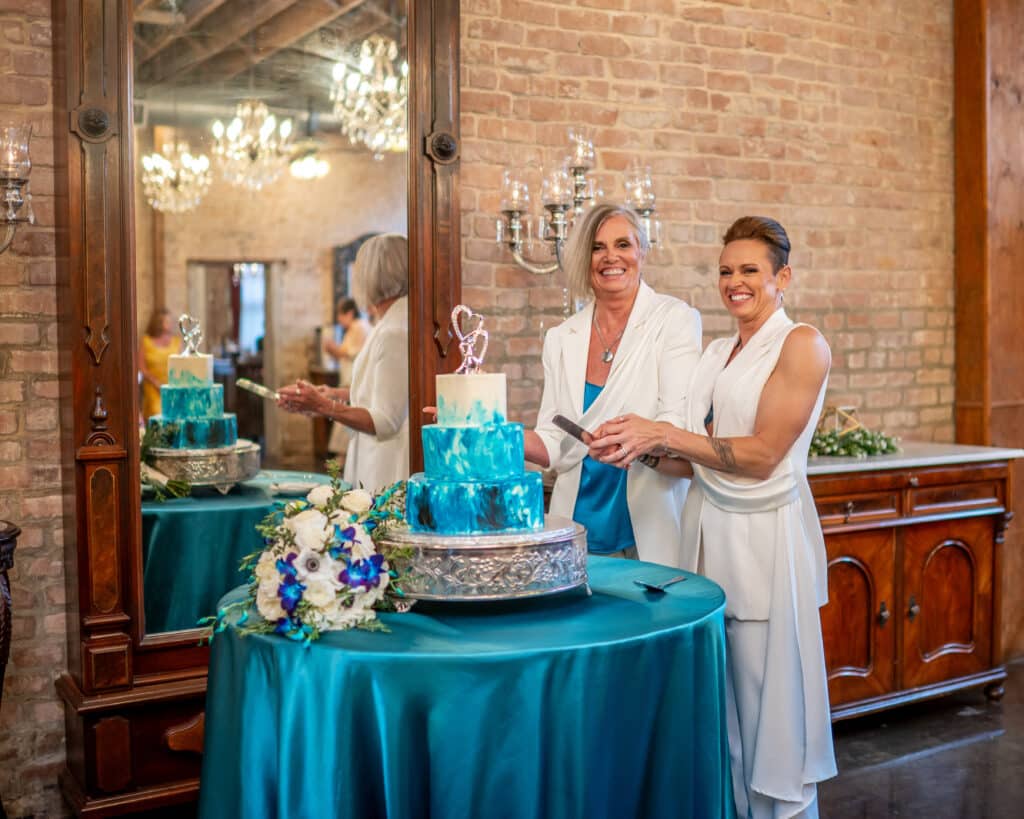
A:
<point x="566" y="191"/>
<point x="15" y="166"/>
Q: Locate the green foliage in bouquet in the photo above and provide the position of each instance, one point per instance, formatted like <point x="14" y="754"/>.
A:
<point x="320" y="568"/>
<point x="175" y="488"/>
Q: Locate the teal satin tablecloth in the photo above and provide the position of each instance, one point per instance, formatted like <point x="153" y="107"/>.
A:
<point x="566" y="706"/>
<point x="191" y="548"/>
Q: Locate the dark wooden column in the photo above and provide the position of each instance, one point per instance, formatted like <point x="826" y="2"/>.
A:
<point x="435" y="241"/>
<point x="989" y="222"/>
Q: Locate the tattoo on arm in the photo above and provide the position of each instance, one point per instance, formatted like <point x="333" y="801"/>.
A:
<point x="723" y="449"/>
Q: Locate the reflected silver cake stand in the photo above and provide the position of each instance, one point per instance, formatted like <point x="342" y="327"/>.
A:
<point x="220" y="468"/>
<point x="500" y="566"/>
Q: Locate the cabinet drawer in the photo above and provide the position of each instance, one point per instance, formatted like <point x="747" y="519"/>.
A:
<point x="929" y="500"/>
<point x="858" y="508"/>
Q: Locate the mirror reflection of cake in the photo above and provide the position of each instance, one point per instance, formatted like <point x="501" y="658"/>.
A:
<point x="192" y="407"/>
<point x="474" y="479"/>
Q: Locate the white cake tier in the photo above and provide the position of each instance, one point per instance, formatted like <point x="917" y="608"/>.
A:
<point x="190" y="370"/>
<point x="471" y="400"/>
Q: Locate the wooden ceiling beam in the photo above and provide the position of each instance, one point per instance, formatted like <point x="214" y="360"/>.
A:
<point x="193" y="12"/>
<point x="225" y="28"/>
<point x="272" y="37"/>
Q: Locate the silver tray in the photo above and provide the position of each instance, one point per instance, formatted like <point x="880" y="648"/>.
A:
<point x="501" y="566"/>
<point x="220" y="468"/>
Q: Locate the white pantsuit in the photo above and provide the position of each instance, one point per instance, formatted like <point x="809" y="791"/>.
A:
<point x="761" y="541"/>
<point x="380" y="384"/>
<point x="649" y="375"/>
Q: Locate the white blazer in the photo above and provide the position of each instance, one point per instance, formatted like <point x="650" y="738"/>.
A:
<point x="649" y="376"/>
<point x="380" y="384"/>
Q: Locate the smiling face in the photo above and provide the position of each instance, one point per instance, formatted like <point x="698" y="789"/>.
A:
<point x="615" y="259"/>
<point x="750" y="289"/>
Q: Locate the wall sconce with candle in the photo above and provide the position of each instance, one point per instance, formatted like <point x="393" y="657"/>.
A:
<point x="565" y="192"/>
<point x="15" y="166"/>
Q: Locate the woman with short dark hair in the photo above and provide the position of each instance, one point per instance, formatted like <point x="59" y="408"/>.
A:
<point x="750" y="522"/>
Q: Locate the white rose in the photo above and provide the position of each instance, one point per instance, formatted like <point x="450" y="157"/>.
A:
<point x="357" y="500"/>
<point x="338" y="616"/>
<point x="266" y="568"/>
<point x="320" y="496"/>
<point x="268" y="603"/>
<point x="318" y="592"/>
<point x="366" y="599"/>
<point x="309" y="528"/>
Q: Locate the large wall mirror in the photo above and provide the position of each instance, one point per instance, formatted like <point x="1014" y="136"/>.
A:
<point x="270" y="140"/>
<point x="253" y="234"/>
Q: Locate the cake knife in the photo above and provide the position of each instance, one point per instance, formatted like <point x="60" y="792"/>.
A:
<point x="258" y="389"/>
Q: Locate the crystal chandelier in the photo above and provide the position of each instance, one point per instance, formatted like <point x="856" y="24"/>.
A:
<point x="15" y="166"/>
<point x="253" y="150"/>
<point x="175" y="180"/>
<point x="371" y="100"/>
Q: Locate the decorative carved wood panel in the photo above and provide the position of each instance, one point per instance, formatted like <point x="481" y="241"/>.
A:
<point x="947" y="592"/>
<point x="858" y="623"/>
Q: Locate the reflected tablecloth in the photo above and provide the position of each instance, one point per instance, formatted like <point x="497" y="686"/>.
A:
<point x="191" y="548"/>
<point x="566" y="706"/>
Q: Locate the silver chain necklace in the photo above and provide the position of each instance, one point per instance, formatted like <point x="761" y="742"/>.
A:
<point x="607" y="355"/>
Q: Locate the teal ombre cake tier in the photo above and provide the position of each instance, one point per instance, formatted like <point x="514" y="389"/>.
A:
<point x="475" y="507"/>
<point x="488" y="453"/>
<point x="185" y="403"/>
<point x="195" y="433"/>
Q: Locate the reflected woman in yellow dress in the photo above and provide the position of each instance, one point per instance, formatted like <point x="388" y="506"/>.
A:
<point x="158" y="343"/>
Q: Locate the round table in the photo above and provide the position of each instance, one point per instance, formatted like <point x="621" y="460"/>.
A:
<point x="611" y="705"/>
<point x="191" y="547"/>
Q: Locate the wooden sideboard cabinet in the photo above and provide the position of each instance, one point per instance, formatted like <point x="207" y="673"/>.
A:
<point x="913" y="549"/>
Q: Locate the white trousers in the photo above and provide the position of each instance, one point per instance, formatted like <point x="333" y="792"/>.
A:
<point x="747" y="647"/>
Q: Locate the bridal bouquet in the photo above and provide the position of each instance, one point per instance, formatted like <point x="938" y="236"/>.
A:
<point x="320" y="569"/>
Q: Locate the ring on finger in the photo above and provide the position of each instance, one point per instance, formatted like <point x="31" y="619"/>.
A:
<point x="623" y="450"/>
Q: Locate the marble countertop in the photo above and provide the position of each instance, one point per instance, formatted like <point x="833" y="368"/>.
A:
<point x="913" y="454"/>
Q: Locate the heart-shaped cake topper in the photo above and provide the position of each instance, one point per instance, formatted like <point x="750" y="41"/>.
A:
<point x="470" y="339"/>
<point x="190" y="333"/>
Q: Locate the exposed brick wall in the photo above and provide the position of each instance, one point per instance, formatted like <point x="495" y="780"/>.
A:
<point x="31" y="720"/>
<point x="834" y="117"/>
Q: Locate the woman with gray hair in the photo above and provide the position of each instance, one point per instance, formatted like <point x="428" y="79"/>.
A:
<point x="629" y="347"/>
<point x="376" y="406"/>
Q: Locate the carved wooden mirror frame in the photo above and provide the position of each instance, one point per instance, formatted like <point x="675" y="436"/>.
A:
<point x="134" y="703"/>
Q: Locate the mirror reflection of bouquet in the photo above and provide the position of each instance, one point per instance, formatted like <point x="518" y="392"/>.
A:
<point x="320" y="569"/>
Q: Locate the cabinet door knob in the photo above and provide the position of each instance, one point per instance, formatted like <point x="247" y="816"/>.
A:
<point x="883" y="614"/>
<point x="914" y="609"/>
<point x="848" y="507"/>
<point x="914" y="480"/>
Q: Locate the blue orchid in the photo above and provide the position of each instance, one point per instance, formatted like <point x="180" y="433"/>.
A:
<point x="363" y="574"/>
<point x="290" y="591"/>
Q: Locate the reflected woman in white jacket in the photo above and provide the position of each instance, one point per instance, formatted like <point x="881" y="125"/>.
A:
<point x="376" y="406"/>
<point x="750" y="522"/>
<point x="629" y="350"/>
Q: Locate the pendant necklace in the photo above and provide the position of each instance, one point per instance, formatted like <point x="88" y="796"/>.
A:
<point x="607" y="355"/>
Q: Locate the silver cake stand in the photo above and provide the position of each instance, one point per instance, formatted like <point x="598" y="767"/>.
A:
<point x="501" y="566"/>
<point x="220" y="468"/>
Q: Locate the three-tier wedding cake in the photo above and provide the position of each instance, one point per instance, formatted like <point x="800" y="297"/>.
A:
<point x="474" y="479"/>
<point x="192" y="407"/>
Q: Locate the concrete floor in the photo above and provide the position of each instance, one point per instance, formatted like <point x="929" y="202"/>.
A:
<point x="958" y="757"/>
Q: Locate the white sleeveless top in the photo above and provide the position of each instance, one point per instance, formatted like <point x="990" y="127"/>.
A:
<point x="761" y="541"/>
<point x="723" y="512"/>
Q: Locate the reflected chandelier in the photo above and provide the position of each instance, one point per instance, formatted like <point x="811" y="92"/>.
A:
<point x="253" y="150"/>
<point x="371" y="100"/>
<point x="175" y="180"/>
